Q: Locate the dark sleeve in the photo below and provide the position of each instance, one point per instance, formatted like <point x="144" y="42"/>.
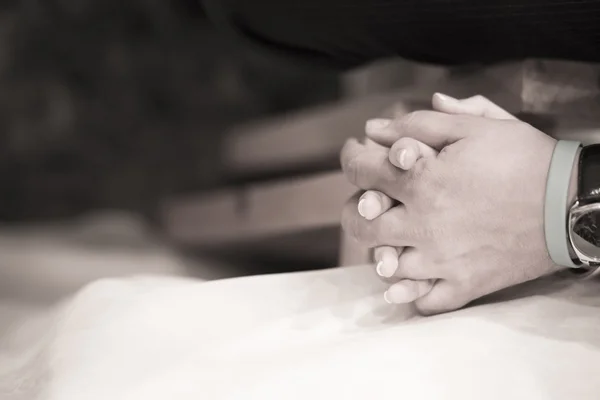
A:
<point x="347" y="33"/>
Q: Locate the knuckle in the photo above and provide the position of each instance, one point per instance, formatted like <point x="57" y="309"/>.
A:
<point x="362" y="171"/>
<point x="477" y="103"/>
<point x="409" y="229"/>
<point x="409" y="121"/>
<point x="422" y="166"/>
<point x="445" y="152"/>
<point x="404" y="142"/>
<point x="426" y="183"/>
<point x="419" y="234"/>
<point x="464" y="279"/>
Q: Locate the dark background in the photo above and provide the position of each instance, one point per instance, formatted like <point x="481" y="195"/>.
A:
<point x="112" y="104"/>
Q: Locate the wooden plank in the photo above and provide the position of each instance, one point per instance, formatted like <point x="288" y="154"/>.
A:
<point x="565" y="94"/>
<point x="585" y="130"/>
<point x="382" y="77"/>
<point x="261" y="210"/>
<point x="310" y="136"/>
<point x="561" y="88"/>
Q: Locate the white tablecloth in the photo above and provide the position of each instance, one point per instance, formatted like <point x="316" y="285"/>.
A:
<point x="320" y="335"/>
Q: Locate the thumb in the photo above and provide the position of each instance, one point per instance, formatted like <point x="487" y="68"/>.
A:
<point x="435" y="129"/>
<point x="385" y="131"/>
<point x="478" y="106"/>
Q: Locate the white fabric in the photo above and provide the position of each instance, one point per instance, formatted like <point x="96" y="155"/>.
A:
<point x="317" y="335"/>
<point x="312" y="335"/>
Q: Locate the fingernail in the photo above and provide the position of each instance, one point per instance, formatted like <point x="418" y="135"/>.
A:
<point x="402" y="158"/>
<point x="383" y="271"/>
<point x="369" y="206"/>
<point x="374" y="210"/>
<point x="377" y="125"/>
<point x="389" y="265"/>
<point x="387" y="299"/>
<point x="379" y="268"/>
<point x="361" y="208"/>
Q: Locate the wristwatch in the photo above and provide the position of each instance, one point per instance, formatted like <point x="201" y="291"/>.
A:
<point x="584" y="214"/>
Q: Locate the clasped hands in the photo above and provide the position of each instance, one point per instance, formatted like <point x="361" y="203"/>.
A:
<point x="452" y="202"/>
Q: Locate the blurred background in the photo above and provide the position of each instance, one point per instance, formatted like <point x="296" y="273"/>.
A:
<point x="111" y="104"/>
<point x="124" y="117"/>
<point x="143" y="113"/>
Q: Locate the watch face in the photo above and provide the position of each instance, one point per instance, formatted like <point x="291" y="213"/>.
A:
<point x="586" y="233"/>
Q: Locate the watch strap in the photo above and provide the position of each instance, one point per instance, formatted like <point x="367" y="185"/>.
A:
<point x="555" y="205"/>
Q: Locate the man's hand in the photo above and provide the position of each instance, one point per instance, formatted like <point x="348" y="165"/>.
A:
<point x="470" y="218"/>
<point x="372" y="203"/>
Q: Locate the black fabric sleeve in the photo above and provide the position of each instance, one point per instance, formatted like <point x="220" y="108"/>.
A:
<point x="347" y="33"/>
